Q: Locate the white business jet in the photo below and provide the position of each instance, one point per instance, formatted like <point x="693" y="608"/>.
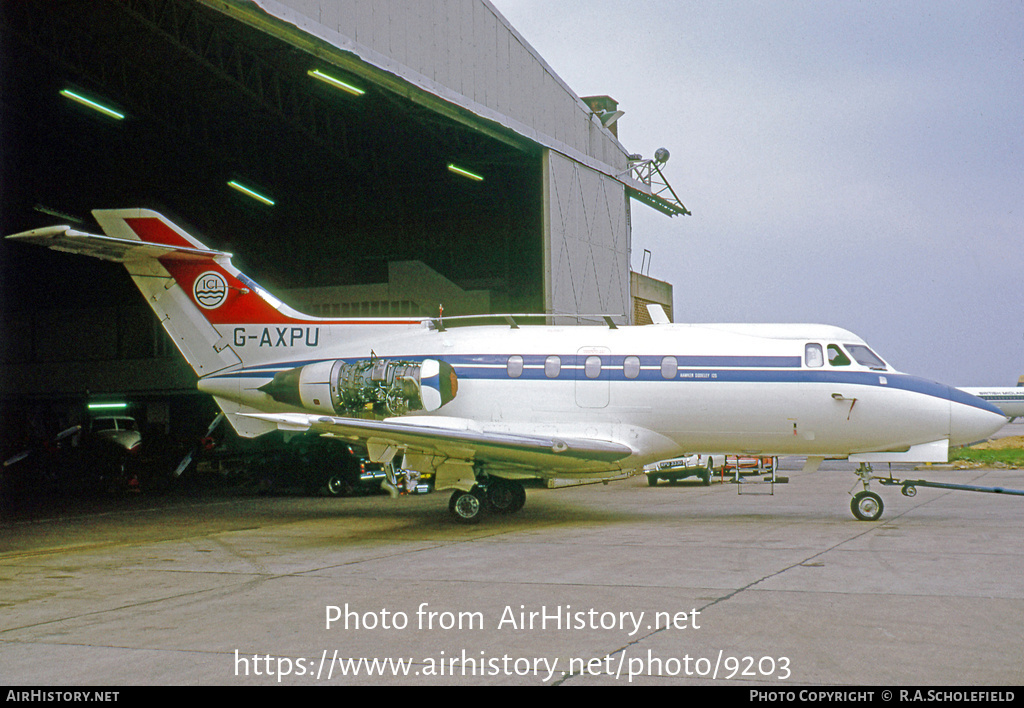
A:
<point x="483" y="407"/>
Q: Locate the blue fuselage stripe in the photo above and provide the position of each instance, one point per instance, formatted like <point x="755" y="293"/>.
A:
<point x="690" y="369"/>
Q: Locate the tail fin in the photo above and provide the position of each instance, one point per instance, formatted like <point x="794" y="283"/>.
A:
<point x="217" y="317"/>
<point x="190" y="287"/>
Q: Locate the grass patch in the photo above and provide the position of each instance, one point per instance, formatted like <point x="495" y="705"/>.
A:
<point x="1012" y="457"/>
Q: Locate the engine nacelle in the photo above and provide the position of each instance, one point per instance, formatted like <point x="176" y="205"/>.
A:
<point x="377" y="386"/>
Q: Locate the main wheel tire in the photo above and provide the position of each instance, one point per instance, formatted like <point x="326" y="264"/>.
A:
<point x="339" y="486"/>
<point x="505" y="496"/>
<point x="466" y="507"/>
<point x="652" y="480"/>
<point x="867" y="506"/>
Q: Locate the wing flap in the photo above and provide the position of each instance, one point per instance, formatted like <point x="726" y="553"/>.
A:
<point x="457" y="438"/>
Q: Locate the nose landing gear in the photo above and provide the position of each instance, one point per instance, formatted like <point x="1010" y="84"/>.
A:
<point x="866" y="505"/>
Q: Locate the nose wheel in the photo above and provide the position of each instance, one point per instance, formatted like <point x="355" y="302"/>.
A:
<point x="866" y="506"/>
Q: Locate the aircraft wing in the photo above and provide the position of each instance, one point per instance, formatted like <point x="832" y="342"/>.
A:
<point x="463" y="440"/>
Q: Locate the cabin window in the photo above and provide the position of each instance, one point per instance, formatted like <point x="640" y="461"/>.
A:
<point x="631" y="367"/>
<point x="836" y="357"/>
<point x="813" y="356"/>
<point x="515" y="366"/>
<point x="552" y="366"/>
<point x="669" y="367"/>
<point x="592" y="367"/>
<point x="865" y="357"/>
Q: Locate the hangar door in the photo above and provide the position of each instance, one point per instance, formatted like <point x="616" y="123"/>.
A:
<point x="586" y="239"/>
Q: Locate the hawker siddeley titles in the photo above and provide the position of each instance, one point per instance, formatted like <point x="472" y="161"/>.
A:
<point x="485" y="406"/>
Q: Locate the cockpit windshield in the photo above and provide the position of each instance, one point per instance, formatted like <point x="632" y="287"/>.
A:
<point x="865" y="357"/>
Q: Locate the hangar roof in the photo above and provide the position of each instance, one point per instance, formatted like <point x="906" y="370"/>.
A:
<point x="206" y="99"/>
<point x="460" y="57"/>
<point x="219" y="90"/>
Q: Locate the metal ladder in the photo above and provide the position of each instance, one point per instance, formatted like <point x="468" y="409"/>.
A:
<point x="757" y="486"/>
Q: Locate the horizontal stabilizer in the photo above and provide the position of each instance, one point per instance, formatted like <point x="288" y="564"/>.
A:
<point x="150" y="247"/>
<point x="116" y="250"/>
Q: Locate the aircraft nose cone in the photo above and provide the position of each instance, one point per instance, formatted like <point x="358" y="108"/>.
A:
<point x="972" y="419"/>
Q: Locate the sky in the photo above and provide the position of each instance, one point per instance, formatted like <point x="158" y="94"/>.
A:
<point x="859" y="164"/>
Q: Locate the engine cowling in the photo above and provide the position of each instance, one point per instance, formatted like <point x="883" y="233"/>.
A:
<point x="377" y="386"/>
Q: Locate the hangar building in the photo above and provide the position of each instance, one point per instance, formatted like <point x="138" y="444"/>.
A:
<point x="359" y="158"/>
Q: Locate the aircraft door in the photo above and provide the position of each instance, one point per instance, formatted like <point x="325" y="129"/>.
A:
<point x="593" y="375"/>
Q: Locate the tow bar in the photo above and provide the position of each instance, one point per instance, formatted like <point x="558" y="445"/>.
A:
<point x="867" y="506"/>
<point x="910" y="486"/>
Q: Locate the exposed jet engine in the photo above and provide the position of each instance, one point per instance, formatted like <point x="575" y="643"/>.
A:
<point x="383" y="387"/>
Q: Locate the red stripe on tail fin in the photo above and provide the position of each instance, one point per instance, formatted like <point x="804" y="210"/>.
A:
<point x="154" y="230"/>
<point x="222" y="294"/>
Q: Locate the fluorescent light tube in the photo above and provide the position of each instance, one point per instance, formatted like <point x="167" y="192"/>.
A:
<point x="250" y="193"/>
<point x="336" y="83"/>
<point x="464" y="173"/>
<point x="89" y="103"/>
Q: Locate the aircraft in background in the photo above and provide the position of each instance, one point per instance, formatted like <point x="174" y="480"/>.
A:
<point x="1008" y="399"/>
<point x="485" y="406"/>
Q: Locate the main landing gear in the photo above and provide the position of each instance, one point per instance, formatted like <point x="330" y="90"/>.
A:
<point x="497" y="495"/>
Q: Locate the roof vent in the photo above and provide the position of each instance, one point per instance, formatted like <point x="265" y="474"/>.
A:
<point x="607" y="111"/>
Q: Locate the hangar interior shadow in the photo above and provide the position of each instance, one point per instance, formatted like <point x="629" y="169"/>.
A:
<point x="357" y="181"/>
